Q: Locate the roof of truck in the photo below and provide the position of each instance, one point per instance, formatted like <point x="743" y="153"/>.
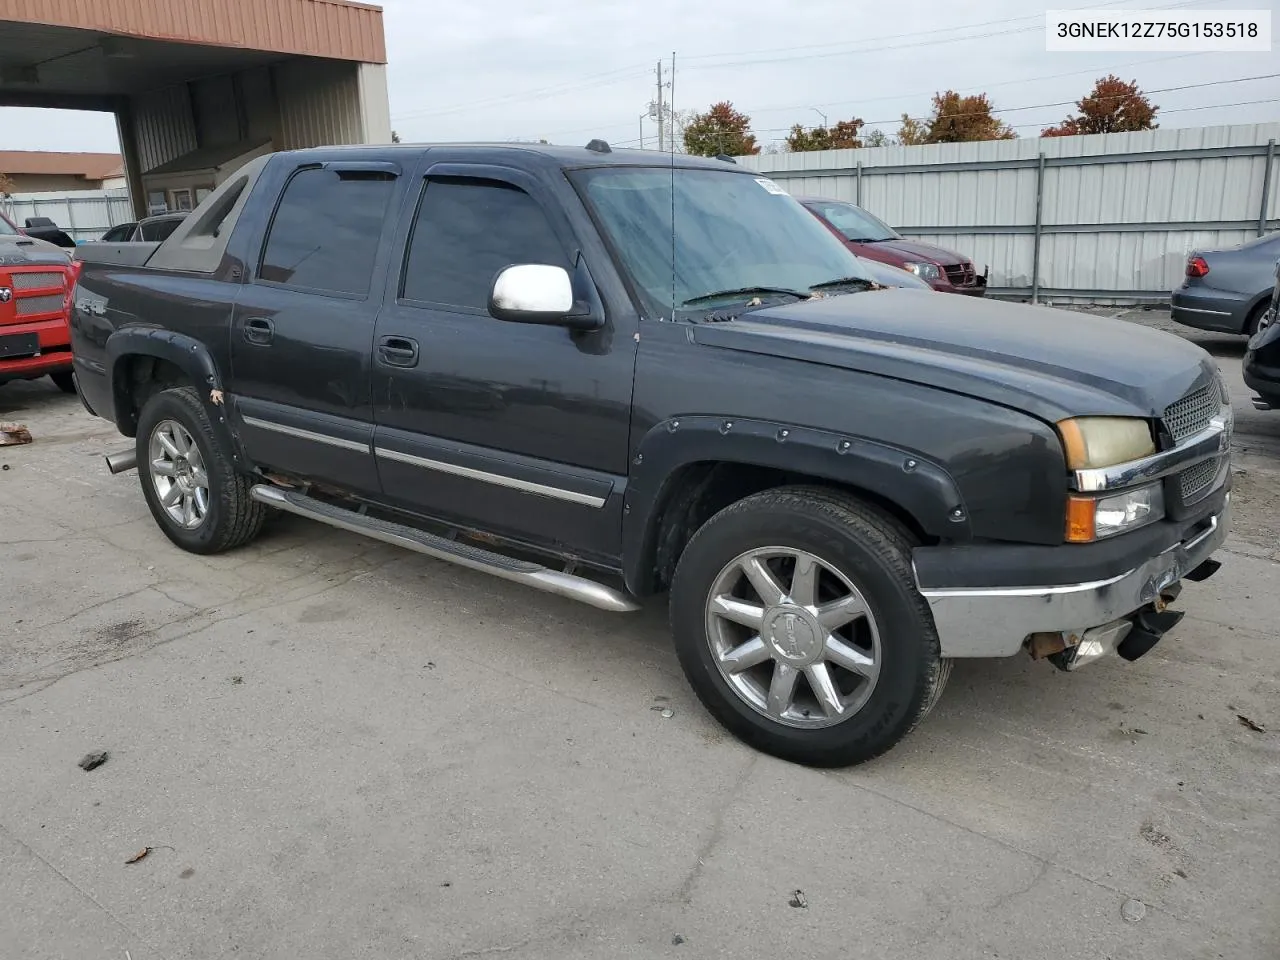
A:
<point x="563" y="156"/>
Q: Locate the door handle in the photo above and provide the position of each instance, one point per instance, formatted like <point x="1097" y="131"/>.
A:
<point x="259" y="330"/>
<point x="398" y="351"/>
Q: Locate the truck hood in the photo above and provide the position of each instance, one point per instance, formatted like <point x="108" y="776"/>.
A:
<point x="1049" y="363"/>
<point x="915" y="251"/>
<point x="22" y="250"/>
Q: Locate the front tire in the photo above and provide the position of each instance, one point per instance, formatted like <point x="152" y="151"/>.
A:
<point x="194" y="493"/>
<point x="798" y="624"/>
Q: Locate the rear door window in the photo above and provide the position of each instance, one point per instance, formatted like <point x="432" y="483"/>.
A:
<point x="326" y="230"/>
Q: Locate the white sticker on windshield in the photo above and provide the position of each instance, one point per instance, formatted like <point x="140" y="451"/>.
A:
<point x="771" y="186"/>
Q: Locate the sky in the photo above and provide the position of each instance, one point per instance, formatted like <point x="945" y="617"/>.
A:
<point x="568" y="70"/>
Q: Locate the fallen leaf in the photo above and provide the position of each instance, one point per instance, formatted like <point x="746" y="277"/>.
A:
<point x="1251" y="724"/>
<point x="139" y="855"/>
<point x="798" y="900"/>
<point x="215" y="397"/>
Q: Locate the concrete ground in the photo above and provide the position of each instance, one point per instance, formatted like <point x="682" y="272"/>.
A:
<point x="335" y="749"/>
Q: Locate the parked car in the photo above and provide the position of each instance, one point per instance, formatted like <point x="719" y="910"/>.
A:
<point x="888" y="276"/>
<point x="148" y="230"/>
<point x="1227" y="290"/>
<point x="485" y="354"/>
<point x="35" y="294"/>
<point x="1262" y="357"/>
<point x="872" y="239"/>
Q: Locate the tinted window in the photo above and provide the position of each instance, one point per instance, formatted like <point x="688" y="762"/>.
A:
<point x="468" y="230"/>
<point x="159" y="230"/>
<point x="326" y="230"/>
<point x="119" y="234"/>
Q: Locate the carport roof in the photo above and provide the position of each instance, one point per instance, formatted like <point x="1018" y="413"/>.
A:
<point x="334" y="29"/>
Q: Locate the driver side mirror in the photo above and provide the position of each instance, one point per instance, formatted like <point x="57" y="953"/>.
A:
<point x="541" y="293"/>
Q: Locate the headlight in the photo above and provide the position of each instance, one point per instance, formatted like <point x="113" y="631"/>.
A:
<point x="1092" y="442"/>
<point x="925" y="271"/>
<point x="1090" y="518"/>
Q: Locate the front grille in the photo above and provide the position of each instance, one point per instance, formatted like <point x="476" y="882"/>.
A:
<point x="1196" y="481"/>
<point x="35" y="281"/>
<point x="960" y="274"/>
<point x="1192" y="413"/>
<point x="31" y="306"/>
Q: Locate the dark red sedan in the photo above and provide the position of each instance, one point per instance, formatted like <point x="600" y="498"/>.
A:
<point x="870" y="237"/>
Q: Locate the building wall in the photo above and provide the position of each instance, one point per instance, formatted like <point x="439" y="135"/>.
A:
<point x="319" y="103"/>
<point x="1119" y="212"/>
<point x="164" y="126"/>
<point x="45" y="182"/>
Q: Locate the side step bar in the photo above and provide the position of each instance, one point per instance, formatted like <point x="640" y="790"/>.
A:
<point x="520" y="571"/>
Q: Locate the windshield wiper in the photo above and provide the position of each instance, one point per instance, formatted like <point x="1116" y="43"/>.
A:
<point x="745" y="292"/>
<point x="865" y="282"/>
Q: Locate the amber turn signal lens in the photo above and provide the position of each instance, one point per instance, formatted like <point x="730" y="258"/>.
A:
<point x="1081" y="514"/>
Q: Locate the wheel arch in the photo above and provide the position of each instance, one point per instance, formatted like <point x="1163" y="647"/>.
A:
<point x="689" y="468"/>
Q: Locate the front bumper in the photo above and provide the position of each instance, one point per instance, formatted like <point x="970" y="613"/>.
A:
<point x="995" y="622"/>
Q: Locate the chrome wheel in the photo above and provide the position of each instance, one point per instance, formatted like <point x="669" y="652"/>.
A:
<point x="793" y="637"/>
<point x="178" y="474"/>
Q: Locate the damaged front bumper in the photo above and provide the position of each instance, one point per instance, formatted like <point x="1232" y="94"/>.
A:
<point x="1126" y="613"/>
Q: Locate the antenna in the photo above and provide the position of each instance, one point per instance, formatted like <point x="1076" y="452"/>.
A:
<point x="673" y="183"/>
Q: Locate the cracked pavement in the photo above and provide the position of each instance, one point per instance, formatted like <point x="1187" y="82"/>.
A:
<point x="338" y="749"/>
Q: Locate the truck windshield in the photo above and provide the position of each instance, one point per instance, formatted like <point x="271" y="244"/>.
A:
<point x="7" y="229"/>
<point x="734" y="233"/>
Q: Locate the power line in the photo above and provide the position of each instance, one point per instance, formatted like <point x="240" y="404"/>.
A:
<point x="1059" y="103"/>
<point x="618" y="75"/>
<point x="756" y="62"/>
<point x="626" y="73"/>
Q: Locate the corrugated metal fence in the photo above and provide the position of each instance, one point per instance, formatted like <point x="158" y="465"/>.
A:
<point x="1106" y="218"/>
<point x="84" y="214"/>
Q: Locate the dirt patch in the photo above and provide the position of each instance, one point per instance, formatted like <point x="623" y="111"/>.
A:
<point x="1255" y="497"/>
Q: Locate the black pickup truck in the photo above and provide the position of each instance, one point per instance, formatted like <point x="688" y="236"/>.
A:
<point x="609" y="374"/>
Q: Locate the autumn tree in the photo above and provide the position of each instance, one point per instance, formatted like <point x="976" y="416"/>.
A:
<point x="721" y="129"/>
<point x="1113" y="106"/>
<point x="958" y="119"/>
<point x="6" y="185"/>
<point x="912" y="132"/>
<point x="843" y="136"/>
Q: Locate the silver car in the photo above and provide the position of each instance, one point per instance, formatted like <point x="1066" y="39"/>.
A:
<point x="1228" y="290"/>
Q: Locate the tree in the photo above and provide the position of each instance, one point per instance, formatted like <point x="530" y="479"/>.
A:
<point x="877" y="138"/>
<point x="395" y="137"/>
<point x="958" y="119"/>
<point x="6" y="185"/>
<point x="1113" y="106"/>
<point x="721" y="129"/>
<point x="912" y="132"/>
<point x="843" y="136"/>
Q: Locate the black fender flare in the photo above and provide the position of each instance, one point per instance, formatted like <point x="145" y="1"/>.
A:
<point x="187" y="354"/>
<point x="920" y="487"/>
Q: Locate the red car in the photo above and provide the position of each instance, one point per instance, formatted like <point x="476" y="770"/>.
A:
<point x="36" y="281"/>
<point x="870" y="237"/>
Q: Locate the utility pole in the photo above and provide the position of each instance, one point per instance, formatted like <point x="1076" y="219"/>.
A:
<point x="660" y="107"/>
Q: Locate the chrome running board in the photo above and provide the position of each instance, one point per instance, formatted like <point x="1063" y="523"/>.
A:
<point x="464" y="555"/>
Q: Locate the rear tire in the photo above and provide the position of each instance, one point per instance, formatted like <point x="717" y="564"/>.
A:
<point x="784" y="673"/>
<point x="194" y="493"/>
<point x="64" y="380"/>
<point x="1254" y="320"/>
